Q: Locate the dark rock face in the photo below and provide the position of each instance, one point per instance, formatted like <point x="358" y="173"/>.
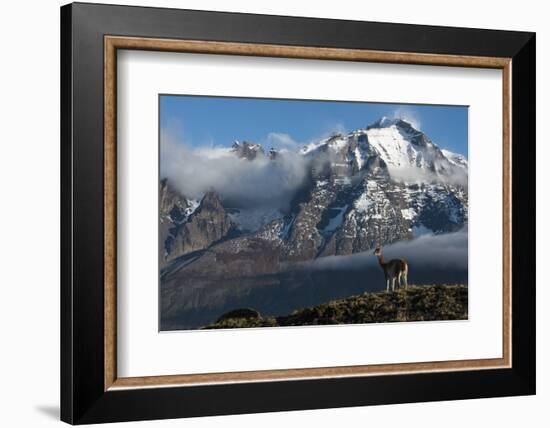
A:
<point x="273" y="153"/>
<point x="209" y="223"/>
<point x="174" y="210"/>
<point x="247" y="150"/>
<point x="172" y="203"/>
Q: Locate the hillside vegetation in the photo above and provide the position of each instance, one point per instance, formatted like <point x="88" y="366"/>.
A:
<point x="416" y="303"/>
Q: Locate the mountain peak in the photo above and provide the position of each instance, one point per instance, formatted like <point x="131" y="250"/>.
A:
<point x="383" y="122"/>
<point x="386" y="122"/>
<point x="247" y="150"/>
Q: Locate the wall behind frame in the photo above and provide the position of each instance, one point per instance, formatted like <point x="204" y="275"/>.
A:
<point x="29" y="226"/>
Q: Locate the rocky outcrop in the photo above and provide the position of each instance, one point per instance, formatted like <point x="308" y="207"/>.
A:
<point x="209" y="223"/>
<point x="247" y="150"/>
<point x="174" y="210"/>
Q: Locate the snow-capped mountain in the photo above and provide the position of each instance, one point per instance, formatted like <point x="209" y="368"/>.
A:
<point x="408" y="154"/>
<point x="373" y="186"/>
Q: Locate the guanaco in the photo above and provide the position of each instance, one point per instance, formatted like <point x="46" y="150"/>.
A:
<point x="394" y="269"/>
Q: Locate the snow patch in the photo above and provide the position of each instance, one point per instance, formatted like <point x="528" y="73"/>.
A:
<point x="193" y="205"/>
<point x="363" y="203"/>
<point x="408" y="213"/>
<point x="338" y="144"/>
<point x="308" y="148"/>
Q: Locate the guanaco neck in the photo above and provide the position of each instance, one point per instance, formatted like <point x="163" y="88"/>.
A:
<point x="381" y="260"/>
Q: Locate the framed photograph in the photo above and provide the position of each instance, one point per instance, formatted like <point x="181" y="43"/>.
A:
<point x="266" y="213"/>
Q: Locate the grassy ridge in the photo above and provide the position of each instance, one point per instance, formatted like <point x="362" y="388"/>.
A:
<point x="417" y="303"/>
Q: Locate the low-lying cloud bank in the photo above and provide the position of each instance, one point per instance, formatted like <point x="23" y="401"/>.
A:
<point x="457" y="176"/>
<point x="431" y="259"/>
<point x="448" y="250"/>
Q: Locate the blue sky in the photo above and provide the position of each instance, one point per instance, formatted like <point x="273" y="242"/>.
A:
<point x="218" y="121"/>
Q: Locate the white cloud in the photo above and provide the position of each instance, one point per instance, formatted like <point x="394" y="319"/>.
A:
<point x="436" y="252"/>
<point x="279" y="140"/>
<point x="409" y="174"/>
<point x="239" y="182"/>
<point x="336" y="128"/>
<point x="408" y="116"/>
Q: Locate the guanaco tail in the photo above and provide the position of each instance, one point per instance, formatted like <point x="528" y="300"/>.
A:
<point x="394" y="269"/>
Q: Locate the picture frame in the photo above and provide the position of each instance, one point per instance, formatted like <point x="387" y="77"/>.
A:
<point x="91" y="390"/>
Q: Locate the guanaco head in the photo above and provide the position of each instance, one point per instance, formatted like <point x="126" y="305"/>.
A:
<point x="378" y="251"/>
